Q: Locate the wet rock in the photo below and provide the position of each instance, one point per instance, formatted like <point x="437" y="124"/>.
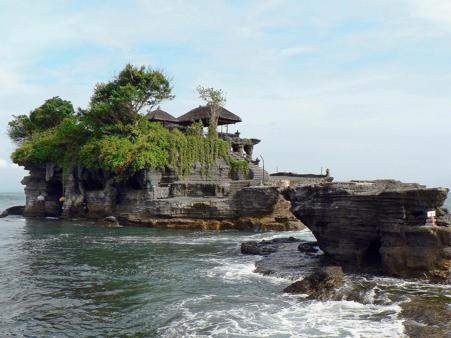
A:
<point x="426" y="318"/>
<point x="309" y="248"/>
<point x="16" y="210"/>
<point x="321" y="284"/>
<point x="255" y="248"/>
<point x="110" y="222"/>
<point x="378" y="225"/>
<point x="286" y="261"/>
<point x="265" y="247"/>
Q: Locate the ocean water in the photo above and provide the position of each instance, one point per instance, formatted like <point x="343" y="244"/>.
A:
<point x="72" y="279"/>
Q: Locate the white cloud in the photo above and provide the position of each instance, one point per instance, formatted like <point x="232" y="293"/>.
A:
<point x="353" y="88"/>
<point x="438" y="11"/>
<point x="293" y="51"/>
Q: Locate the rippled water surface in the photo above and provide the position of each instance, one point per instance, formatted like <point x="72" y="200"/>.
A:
<point x="68" y="278"/>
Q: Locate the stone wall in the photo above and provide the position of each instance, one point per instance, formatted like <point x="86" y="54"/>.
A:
<point x="304" y="179"/>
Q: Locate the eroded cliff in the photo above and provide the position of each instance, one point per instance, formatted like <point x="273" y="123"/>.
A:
<point x="159" y="198"/>
<point x="399" y="228"/>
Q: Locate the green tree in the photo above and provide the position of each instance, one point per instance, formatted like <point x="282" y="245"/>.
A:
<point x="119" y="101"/>
<point x="51" y="113"/>
<point x="47" y="116"/>
<point x="214" y="98"/>
<point x="19" y="129"/>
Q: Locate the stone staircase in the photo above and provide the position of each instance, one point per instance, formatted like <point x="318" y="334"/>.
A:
<point x="258" y="174"/>
<point x="256" y="171"/>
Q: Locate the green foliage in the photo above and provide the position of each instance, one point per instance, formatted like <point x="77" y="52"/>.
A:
<point x="214" y="98"/>
<point x="47" y="116"/>
<point x="211" y="95"/>
<point x="60" y="145"/>
<point x="150" y="145"/>
<point x="120" y="100"/>
<point x="51" y="113"/>
<point x="196" y="128"/>
<point x="212" y="133"/>
<point x="186" y="150"/>
<point x="239" y="166"/>
<point x="112" y="135"/>
<point x="20" y="129"/>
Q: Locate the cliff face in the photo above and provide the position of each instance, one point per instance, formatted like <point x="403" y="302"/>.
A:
<point x="379" y="224"/>
<point x="159" y="198"/>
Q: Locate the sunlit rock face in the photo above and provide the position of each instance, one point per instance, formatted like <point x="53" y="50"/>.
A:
<point x="399" y="228"/>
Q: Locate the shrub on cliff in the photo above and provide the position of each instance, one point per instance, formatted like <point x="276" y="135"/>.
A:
<point x="60" y="144"/>
<point x="150" y="145"/>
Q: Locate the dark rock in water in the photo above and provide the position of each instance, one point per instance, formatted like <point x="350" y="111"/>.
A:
<point x="321" y="284"/>
<point x="426" y="318"/>
<point x="110" y="222"/>
<point x="282" y="257"/>
<point x="17" y="210"/>
<point x="255" y="248"/>
<point x="378" y="225"/>
<point x="265" y="247"/>
<point x="309" y="247"/>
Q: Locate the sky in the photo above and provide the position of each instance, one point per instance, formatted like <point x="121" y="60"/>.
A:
<point x="360" y="87"/>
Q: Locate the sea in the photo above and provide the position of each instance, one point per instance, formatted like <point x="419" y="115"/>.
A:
<point x="76" y="279"/>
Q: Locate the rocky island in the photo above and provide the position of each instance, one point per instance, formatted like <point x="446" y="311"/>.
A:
<point x="148" y="169"/>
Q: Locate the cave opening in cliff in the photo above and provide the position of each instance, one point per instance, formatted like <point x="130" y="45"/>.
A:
<point x="93" y="180"/>
<point x="372" y="254"/>
<point x="138" y="180"/>
<point x="54" y="190"/>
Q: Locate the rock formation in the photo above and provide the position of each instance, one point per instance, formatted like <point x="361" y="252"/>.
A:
<point x="159" y="198"/>
<point x="321" y="284"/>
<point x="16" y="211"/>
<point x="399" y="228"/>
<point x="265" y="247"/>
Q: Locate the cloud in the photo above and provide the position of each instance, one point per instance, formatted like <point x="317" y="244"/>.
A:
<point x="294" y="51"/>
<point x="320" y="83"/>
<point x="438" y="11"/>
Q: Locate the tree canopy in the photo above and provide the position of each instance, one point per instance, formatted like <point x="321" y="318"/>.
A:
<point x="215" y="98"/>
<point x="111" y="134"/>
<point x="118" y="102"/>
<point x="51" y="113"/>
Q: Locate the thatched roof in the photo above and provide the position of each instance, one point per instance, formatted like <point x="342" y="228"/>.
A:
<point x="161" y="116"/>
<point x="203" y="113"/>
